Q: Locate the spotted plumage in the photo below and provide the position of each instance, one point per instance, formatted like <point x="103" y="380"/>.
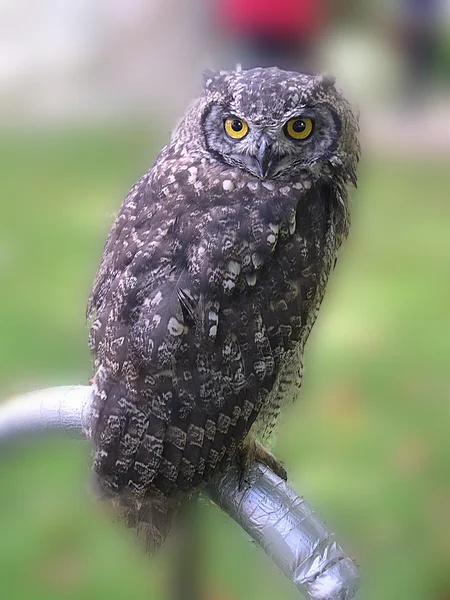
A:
<point x="210" y="282"/>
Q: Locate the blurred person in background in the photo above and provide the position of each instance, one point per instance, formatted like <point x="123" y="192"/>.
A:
<point x="263" y="33"/>
<point x="419" y="29"/>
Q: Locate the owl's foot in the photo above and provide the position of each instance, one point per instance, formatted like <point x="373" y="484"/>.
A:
<point x="251" y="450"/>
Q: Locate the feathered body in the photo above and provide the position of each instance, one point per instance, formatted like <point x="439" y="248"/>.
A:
<point x="210" y="282"/>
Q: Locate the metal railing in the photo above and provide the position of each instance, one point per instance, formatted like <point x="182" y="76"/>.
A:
<point x="274" y="516"/>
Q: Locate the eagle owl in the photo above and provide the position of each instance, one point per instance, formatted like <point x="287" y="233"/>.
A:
<point x="210" y="281"/>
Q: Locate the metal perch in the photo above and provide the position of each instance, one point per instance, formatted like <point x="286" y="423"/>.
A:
<point x="274" y="516"/>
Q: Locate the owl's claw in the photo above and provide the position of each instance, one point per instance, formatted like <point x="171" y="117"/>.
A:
<point x="243" y="481"/>
<point x="252" y="450"/>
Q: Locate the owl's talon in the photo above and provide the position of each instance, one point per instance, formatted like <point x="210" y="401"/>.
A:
<point x="244" y="460"/>
<point x="243" y="481"/>
<point x="252" y="450"/>
<point x="277" y="467"/>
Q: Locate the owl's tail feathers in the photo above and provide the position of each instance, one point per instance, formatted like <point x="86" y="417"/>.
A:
<point x="150" y="517"/>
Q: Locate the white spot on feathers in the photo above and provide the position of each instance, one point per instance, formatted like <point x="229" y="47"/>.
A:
<point x="192" y="177"/>
<point x="256" y="260"/>
<point x="234" y="268"/>
<point x="228" y="284"/>
<point x="157" y="299"/>
<point x="274" y="228"/>
<point x="251" y="279"/>
<point x="174" y="327"/>
<point x="228" y="185"/>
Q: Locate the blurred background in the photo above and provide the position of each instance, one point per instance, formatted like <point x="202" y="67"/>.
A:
<point x="89" y="92"/>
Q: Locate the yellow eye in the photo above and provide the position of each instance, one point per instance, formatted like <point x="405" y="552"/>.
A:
<point x="299" y="129"/>
<point x="236" y="128"/>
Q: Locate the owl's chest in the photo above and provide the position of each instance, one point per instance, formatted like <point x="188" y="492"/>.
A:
<point x="255" y="265"/>
<point x="290" y="284"/>
<point x="270" y="313"/>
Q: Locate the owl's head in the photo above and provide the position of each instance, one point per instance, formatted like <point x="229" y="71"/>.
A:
<point x="276" y="124"/>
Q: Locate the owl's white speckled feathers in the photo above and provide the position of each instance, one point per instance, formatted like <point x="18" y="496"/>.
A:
<point x="210" y="282"/>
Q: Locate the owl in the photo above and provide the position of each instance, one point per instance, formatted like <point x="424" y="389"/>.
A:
<point x="210" y="282"/>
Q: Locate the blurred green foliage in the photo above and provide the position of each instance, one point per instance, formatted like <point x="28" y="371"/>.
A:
<point x="367" y="444"/>
<point x="443" y="55"/>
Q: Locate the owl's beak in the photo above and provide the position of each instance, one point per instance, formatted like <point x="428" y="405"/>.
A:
<point x="264" y="156"/>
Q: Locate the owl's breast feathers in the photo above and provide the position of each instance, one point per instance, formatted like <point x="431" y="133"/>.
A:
<point x="208" y="278"/>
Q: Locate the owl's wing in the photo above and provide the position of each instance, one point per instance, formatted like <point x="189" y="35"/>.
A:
<point x="122" y="242"/>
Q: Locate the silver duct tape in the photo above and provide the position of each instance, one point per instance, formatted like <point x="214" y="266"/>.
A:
<point x="288" y="530"/>
<point x="281" y="522"/>
<point x="64" y="409"/>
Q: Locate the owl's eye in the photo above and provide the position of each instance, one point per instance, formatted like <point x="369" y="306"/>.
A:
<point x="236" y="128"/>
<point x="299" y="129"/>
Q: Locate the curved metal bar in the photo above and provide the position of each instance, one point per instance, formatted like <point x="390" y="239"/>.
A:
<point x="281" y="522"/>
<point x="287" y="529"/>
<point x="64" y="409"/>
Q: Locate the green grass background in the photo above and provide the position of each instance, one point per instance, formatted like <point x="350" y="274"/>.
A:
<point x="367" y="444"/>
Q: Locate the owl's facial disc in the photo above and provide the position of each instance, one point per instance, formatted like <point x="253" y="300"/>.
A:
<point x="275" y="124"/>
<point x="271" y="146"/>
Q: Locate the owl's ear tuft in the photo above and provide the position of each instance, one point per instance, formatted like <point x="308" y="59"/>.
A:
<point x="213" y="80"/>
<point x="210" y="77"/>
<point x="325" y="80"/>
